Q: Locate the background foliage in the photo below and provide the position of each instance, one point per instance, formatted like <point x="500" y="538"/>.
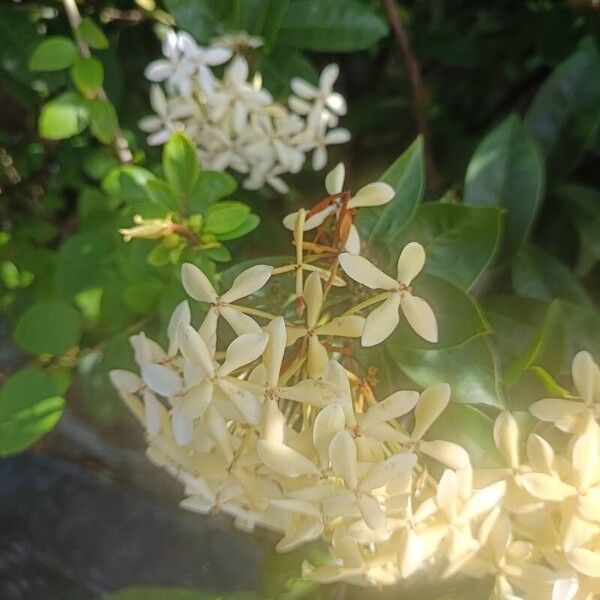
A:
<point x="503" y="194"/>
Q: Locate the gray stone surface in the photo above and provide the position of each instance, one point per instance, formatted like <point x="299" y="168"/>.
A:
<point x="67" y="533"/>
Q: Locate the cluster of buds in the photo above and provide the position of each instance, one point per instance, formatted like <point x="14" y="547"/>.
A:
<point x="235" y="123"/>
<point x="272" y="419"/>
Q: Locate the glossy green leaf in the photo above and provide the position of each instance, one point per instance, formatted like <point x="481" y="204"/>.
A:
<point x="264" y="18"/>
<point x="470" y="369"/>
<point x="176" y="593"/>
<point x="472" y="429"/>
<point x="162" y="194"/>
<point x="458" y="316"/>
<point x="92" y="35"/>
<point x="250" y="224"/>
<point x="507" y="171"/>
<point x="180" y="163"/>
<point x="382" y="226"/>
<point x="281" y="65"/>
<point x="64" y="116"/>
<point x="103" y="120"/>
<point x="573" y="86"/>
<point x="49" y="326"/>
<point x="537" y="274"/>
<point x="460" y="241"/>
<point x="127" y="183"/>
<point x="53" y="54"/>
<point x="30" y="406"/>
<point x="210" y="187"/>
<point x="225" y="217"/>
<point x="87" y="75"/>
<point x="201" y="18"/>
<point x="582" y="205"/>
<point x="331" y="25"/>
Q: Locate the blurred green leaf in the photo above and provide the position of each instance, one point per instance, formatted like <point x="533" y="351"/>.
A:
<point x="202" y="18"/>
<point x="573" y="86"/>
<point x="53" y="54"/>
<point x="103" y="120"/>
<point x="127" y="183"/>
<point x="537" y="274"/>
<point x="507" y="171"/>
<point x="225" y="217"/>
<point x="281" y="65"/>
<point x="180" y="163"/>
<point x="92" y="35"/>
<point x="87" y="75"/>
<point x="250" y="224"/>
<point x="30" y="406"/>
<point x="460" y="241"/>
<point x="210" y="187"/>
<point x="49" y="326"/>
<point x="331" y="26"/>
<point x="161" y="193"/>
<point x="64" y="116"/>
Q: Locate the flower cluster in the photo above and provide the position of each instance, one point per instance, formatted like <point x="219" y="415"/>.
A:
<point x="235" y="123"/>
<point x="266" y="418"/>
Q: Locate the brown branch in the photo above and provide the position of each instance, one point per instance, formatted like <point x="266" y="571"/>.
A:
<point x="418" y="95"/>
<point x="121" y="146"/>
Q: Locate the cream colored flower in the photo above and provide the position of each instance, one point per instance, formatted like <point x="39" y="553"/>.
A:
<point x="569" y="414"/>
<point x="198" y="286"/>
<point x="383" y="320"/>
<point x="348" y="326"/>
<point x="148" y="229"/>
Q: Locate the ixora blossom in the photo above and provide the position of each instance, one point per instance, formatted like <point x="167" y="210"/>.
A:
<point x="235" y="122"/>
<point x="268" y="417"/>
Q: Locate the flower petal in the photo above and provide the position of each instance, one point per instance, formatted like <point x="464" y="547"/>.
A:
<point x="313" y="298"/>
<point x="153" y="413"/>
<point x="431" y="405"/>
<point x="162" y="380"/>
<point x="317" y="357"/>
<point x="552" y="409"/>
<point x="196" y="283"/>
<point x="506" y="438"/>
<point x="240" y="322"/>
<point x="382" y="321"/>
<point x="125" y="382"/>
<point x="328" y="422"/>
<point x="362" y="271"/>
<point x="245" y="402"/>
<point x="419" y="316"/>
<point x="348" y="326"/>
<point x="334" y="182"/>
<point x="388" y="471"/>
<point x="410" y="262"/>
<point x="274" y="350"/>
<point x="372" y="194"/>
<point x="285" y="460"/>
<point x="546" y="487"/>
<point x="194" y="349"/>
<point x="394" y="406"/>
<point x="248" y="282"/>
<point x="342" y="454"/>
<point x="242" y="351"/>
<point x="585" y="561"/>
<point x="448" y="453"/>
<point x="371" y="512"/>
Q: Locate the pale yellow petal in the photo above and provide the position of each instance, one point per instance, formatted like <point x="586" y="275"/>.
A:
<point x="585" y="459"/>
<point x="410" y="554"/>
<point x="154" y="413"/>
<point x="447" y="494"/>
<point x="304" y="530"/>
<point x="248" y="282"/>
<point x="482" y="501"/>
<point x="196" y="283"/>
<point x="420" y="316"/>
<point x="342" y="455"/>
<point x="240" y="322"/>
<point x="448" y="453"/>
<point x="125" y="382"/>
<point x="242" y="351"/>
<point x="410" y="262"/>
<point x="585" y="561"/>
<point x="161" y="379"/>
<point x="334" y="181"/>
<point x="372" y="194"/>
<point x="317" y="357"/>
<point x="382" y="321"/>
<point x="194" y="349"/>
<point x="506" y="438"/>
<point x="431" y="405"/>
<point x="388" y="471"/>
<point x="244" y="401"/>
<point x="311" y="391"/>
<point x="285" y="460"/>
<point x="328" y="422"/>
<point x="371" y="512"/>
<point x="197" y="400"/>
<point x="552" y="409"/>
<point x="217" y="428"/>
<point x="583" y="372"/>
<point x="274" y="350"/>
<point x="313" y="298"/>
<point x="540" y="454"/>
<point x="546" y="487"/>
<point x="349" y="326"/>
<point x="362" y="271"/>
<point x="394" y="406"/>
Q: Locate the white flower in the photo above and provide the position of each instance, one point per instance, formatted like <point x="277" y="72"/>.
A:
<point x="569" y="414"/>
<point x="349" y="326"/>
<point x="198" y="286"/>
<point x="240" y="39"/>
<point x="383" y="320"/>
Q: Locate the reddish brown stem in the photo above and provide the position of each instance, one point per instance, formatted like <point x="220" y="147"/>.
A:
<point x="418" y="95"/>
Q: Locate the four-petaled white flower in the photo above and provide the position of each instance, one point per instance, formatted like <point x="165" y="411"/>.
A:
<point x="382" y="321"/>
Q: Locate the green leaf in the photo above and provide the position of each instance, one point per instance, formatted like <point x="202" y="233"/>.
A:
<point x="30" y="406"/>
<point x="507" y="170"/>
<point x="273" y="12"/>
<point x="180" y="163"/>
<point x="582" y="205"/>
<point x="574" y="86"/>
<point x="210" y="187"/>
<point x="460" y="241"/>
<point x="472" y="429"/>
<point x="537" y="274"/>
<point x="250" y="224"/>
<point x="49" y="326"/>
<point x="161" y="193"/>
<point x="87" y="75"/>
<point x="201" y="18"/>
<point x="173" y="593"/>
<point x="64" y="116"/>
<point x="225" y="217"/>
<point x="458" y="316"/>
<point x="92" y="35"/>
<point x="383" y="225"/>
<point x="331" y="26"/>
<point x="80" y="262"/>
<point x="127" y="183"/>
<point x="103" y="120"/>
<point x="470" y="369"/>
<point x="53" y="54"/>
<point x="281" y="65"/>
